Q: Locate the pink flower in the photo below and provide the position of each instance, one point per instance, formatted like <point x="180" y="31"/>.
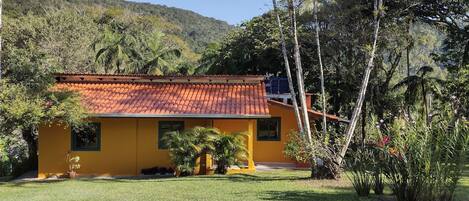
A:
<point x="384" y="141"/>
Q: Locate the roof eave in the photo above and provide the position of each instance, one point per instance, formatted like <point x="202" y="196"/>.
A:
<point x="214" y="116"/>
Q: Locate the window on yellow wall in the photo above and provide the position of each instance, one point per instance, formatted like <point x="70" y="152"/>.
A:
<point x="87" y="137"/>
<point x="167" y="127"/>
<point x="268" y="129"/>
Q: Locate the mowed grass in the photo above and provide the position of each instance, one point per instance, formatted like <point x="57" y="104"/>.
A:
<point x="272" y="185"/>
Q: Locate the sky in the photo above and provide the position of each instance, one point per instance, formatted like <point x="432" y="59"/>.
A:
<point x="231" y="11"/>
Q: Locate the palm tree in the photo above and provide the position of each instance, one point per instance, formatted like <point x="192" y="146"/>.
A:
<point x="114" y="49"/>
<point x="205" y="139"/>
<point x="420" y="86"/>
<point x="187" y="146"/>
<point x="378" y="6"/>
<point x="287" y="70"/>
<point x="229" y="150"/>
<point x="158" y="57"/>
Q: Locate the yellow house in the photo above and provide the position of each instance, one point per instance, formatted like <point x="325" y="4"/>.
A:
<point x="130" y="113"/>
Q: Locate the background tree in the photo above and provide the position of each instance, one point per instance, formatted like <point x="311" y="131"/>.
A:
<point x="421" y="86"/>
<point x="361" y="97"/>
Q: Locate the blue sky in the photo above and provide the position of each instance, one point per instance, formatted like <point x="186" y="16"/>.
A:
<point x="231" y="11"/>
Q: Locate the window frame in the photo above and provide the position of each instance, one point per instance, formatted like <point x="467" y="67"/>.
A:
<point x="160" y="133"/>
<point x="98" y="140"/>
<point x="279" y="129"/>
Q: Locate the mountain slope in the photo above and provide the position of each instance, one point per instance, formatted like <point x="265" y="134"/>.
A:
<point x="197" y="30"/>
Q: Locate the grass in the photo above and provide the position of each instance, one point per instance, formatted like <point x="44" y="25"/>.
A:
<point x="274" y="185"/>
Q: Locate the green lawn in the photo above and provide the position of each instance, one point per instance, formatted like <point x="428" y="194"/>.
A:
<point x="274" y="185"/>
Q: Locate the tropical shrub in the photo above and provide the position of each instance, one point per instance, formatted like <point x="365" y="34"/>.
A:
<point x="424" y="161"/>
<point x="229" y="150"/>
<point x="187" y="146"/>
<point x="317" y="153"/>
<point x="360" y="165"/>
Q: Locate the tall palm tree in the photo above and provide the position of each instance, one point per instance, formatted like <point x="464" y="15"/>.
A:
<point x="114" y="49"/>
<point x="378" y="11"/>
<point x="159" y="56"/>
<point x="299" y="71"/>
<point x="287" y="69"/>
<point x="418" y="86"/>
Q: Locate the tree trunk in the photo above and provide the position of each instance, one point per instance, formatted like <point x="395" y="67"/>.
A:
<point x="425" y="105"/>
<point x="287" y="69"/>
<point x="408" y="67"/>
<point x="203" y="163"/>
<point x="299" y="72"/>
<point x="323" y="93"/>
<point x="361" y="96"/>
<point x="364" y="124"/>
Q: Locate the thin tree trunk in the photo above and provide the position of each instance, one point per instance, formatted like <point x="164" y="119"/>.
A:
<point x="408" y="67"/>
<point x="203" y="163"/>
<point x="323" y="93"/>
<point x="361" y="96"/>
<point x="287" y="69"/>
<point x="299" y="72"/>
<point x="364" y="124"/>
<point x="425" y="105"/>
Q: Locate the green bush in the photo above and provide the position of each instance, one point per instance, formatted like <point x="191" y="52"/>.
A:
<point x="187" y="146"/>
<point x="360" y="165"/>
<point x="5" y="165"/>
<point x="424" y="161"/>
<point x="320" y="155"/>
<point x="229" y="150"/>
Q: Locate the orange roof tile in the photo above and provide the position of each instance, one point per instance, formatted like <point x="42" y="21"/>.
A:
<point x="153" y="96"/>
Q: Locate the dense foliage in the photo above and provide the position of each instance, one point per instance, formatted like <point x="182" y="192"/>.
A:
<point x="406" y="43"/>
<point x="189" y="27"/>
<point x="187" y="147"/>
<point x="230" y="150"/>
<point x="420" y="161"/>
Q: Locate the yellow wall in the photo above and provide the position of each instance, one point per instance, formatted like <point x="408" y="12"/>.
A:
<point x="130" y="144"/>
<point x="127" y="146"/>
<point x="117" y="155"/>
<point x="229" y="126"/>
<point x="148" y="153"/>
<point x="272" y="151"/>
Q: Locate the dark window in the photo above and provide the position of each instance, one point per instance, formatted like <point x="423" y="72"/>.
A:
<point x="87" y="138"/>
<point x="268" y="129"/>
<point x="165" y="127"/>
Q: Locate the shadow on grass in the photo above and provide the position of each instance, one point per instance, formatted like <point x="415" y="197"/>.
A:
<point x="322" y="196"/>
<point x="249" y="178"/>
<point x="307" y="195"/>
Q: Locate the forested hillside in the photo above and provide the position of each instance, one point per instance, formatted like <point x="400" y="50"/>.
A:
<point x="195" y="29"/>
<point x="103" y="36"/>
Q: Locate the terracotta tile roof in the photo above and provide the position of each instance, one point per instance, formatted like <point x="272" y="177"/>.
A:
<point x="176" y="96"/>
<point x="312" y="113"/>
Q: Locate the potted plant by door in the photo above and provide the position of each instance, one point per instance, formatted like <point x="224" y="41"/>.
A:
<point x="73" y="165"/>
